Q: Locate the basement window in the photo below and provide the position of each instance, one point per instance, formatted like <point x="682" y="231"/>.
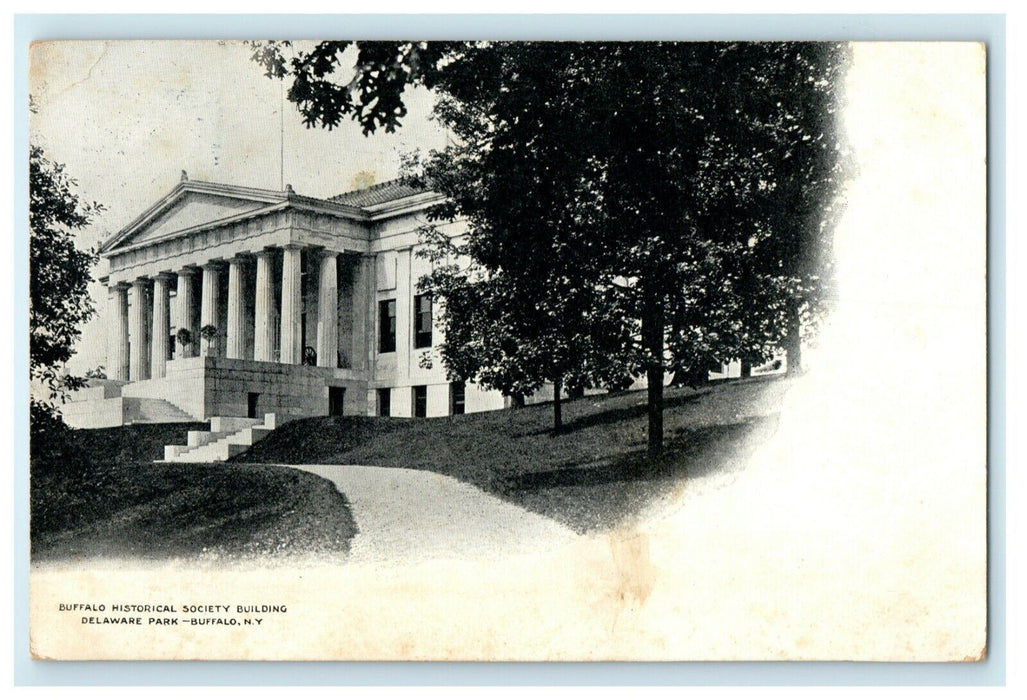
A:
<point x="420" y="402"/>
<point x="457" y="404"/>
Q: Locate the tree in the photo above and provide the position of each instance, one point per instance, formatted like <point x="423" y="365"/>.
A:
<point x="543" y="310"/>
<point x="564" y="336"/>
<point x="59" y="301"/>
<point x="797" y="94"/>
<point x="683" y="185"/>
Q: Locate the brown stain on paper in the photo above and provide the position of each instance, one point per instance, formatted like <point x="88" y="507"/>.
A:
<point x="981" y="655"/>
<point x="363" y="180"/>
<point x="633" y="567"/>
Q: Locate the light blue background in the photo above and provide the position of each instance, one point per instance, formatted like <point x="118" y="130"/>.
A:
<point x="987" y="28"/>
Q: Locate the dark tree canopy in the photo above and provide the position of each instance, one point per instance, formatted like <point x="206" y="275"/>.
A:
<point x="59" y="302"/>
<point x="632" y="208"/>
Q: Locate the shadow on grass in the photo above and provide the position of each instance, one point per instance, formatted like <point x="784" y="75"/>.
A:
<point x="101" y="495"/>
<point x="229" y="517"/>
<point x="635" y="466"/>
<point x="295" y="443"/>
<point x="614" y="415"/>
<point x="602" y="494"/>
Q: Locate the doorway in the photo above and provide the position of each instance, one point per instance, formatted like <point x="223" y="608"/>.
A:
<point x="336" y="399"/>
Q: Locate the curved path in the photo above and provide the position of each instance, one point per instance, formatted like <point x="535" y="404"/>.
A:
<point x="409" y="514"/>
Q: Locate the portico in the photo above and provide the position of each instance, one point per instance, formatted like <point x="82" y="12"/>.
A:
<point x="223" y="272"/>
<point x="273" y="305"/>
<point x="232" y="301"/>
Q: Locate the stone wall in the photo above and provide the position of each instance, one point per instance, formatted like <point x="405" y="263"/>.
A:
<point x="94" y="412"/>
<point x="218" y="386"/>
<point x="290" y="391"/>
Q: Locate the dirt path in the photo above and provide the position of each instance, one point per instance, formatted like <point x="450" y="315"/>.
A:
<point x="407" y="514"/>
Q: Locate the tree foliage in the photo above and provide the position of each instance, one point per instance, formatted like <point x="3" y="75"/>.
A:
<point x="632" y="208"/>
<point x="59" y="302"/>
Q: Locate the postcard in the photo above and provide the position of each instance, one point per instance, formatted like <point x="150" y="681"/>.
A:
<point x="540" y="351"/>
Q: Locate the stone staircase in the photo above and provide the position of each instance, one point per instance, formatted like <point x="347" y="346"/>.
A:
<point x="226" y="438"/>
<point x="102" y="404"/>
<point x="139" y="410"/>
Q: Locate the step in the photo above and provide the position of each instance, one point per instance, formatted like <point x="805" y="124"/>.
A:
<point x="248" y="436"/>
<point x="231" y="424"/>
<point x="215" y="452"/>
<point x="199" y="438"/>
<point x="172" y="452"/>
<point x="228" y="437"/>
<point x="144" y="410"/>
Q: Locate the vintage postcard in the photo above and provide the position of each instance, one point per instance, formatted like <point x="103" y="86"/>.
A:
<point x="348" y="350"/>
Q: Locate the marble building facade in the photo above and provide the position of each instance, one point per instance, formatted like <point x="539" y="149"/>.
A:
<point x="235" y="301"/>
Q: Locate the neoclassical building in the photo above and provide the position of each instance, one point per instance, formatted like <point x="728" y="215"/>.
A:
<point x="235" y="301"/>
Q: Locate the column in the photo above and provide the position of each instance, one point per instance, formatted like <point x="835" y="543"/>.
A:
<point x="236" y="310"/>
<point x="363" y="313"/>
<point x="209" y="306"/>
<point x="263" y="322"/>
<point x="292" y="306"/>
<point x="184" y="311"/>
<point x="161" y="326"/>
<point x="328" y="311"/>
<point x="137" y="332"/>
<point x="117" y="332"/>
<point x="404" y="317"/>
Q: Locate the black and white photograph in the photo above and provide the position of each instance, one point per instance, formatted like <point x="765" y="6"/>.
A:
<point x="508" y="350"/>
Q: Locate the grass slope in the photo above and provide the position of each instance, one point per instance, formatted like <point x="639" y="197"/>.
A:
<point x="98" y="493"/>
<point x="592" y="476"/>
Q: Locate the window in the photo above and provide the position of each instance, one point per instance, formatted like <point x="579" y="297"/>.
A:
<point x="385" y="402"/>
<point x="422" y="321"/>
<point x="420" y="401"/>
<point x="387" y="325"/>
<point x="456" y="398"/>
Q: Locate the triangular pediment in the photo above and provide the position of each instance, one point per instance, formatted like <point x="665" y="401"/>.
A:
<point x="192" y="210"/>
<point x="188" y="206"/>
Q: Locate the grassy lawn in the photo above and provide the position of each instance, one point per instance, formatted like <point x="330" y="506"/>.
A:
<point x="98" y="493"/>
<point x="592" y="476"/>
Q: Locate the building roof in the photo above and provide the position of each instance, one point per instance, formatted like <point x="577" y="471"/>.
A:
<point x="381" y="200"/>
<point x="381" y="193"/>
